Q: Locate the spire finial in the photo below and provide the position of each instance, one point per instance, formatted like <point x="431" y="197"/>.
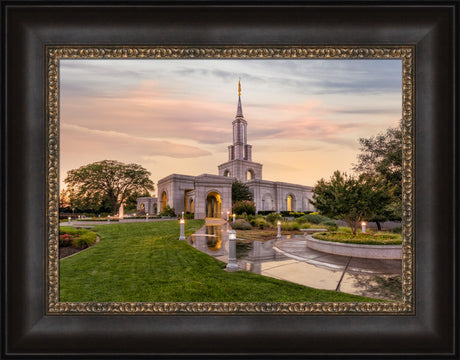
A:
<point x="239" y="109"/>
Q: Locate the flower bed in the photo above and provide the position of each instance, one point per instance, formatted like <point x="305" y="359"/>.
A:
<point x="360" y="238"/>
<point x="359" y="250"/>
<point x="77" y="238"/>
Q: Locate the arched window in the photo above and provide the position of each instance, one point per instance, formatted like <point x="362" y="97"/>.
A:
<point x="227" y="173"/>
<point x="250" y="175"/>
<point x="290" y="203"/>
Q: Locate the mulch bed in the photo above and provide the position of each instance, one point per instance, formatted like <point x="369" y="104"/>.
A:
<point x="67" y="251"/>
<point x="70" y="250"/>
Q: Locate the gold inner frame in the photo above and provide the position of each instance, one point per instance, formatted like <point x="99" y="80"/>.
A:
<point x="405" y="53"/>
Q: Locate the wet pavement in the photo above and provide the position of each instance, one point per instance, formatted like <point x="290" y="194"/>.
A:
<point x="289" y="259"/>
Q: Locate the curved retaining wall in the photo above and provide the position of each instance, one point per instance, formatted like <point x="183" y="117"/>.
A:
<point x="356" y="250"/>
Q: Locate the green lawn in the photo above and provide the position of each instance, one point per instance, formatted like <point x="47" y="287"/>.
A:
<point x="145" y="262"/>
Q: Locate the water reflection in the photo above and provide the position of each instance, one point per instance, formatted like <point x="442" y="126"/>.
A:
<point x="214" y="235"/>
<point x="213" y="240"/>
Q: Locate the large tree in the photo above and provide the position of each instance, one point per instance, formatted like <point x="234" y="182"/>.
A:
<point x="108" y="179"/>
<point x="352" y="199"/>
<point x="382" y="155"/>
<point x="240" y="191"/>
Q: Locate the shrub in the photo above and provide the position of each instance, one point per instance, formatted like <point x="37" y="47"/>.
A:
<point x="261" y="223"/>
<point x="273" y="217"/>
<point x="302" y="219"/>
<point x="330" y="225"/>
<point x="65" y="240"/>
<point x="84" y="240"/>
<point x="189" y="216"/>
<point x="241" y="225"/>
<point x="168" y="211"/>
<point x="78" y="238"/>
<point x="397" y="230"/>
<point x="290" y="226"/>
<point x="244" y="206"/>
<point x="264" y="212"/>
<point x="316" y="218"/>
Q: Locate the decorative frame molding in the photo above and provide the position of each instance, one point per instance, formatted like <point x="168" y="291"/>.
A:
<point x="404" y="53"/>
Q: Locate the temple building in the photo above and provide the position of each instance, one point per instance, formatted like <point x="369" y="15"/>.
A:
<point x="210" y="195"/>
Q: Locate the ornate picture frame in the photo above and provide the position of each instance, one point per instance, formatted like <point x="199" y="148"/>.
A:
<point x="405" y="54"/>
<point x="35" y="36"/>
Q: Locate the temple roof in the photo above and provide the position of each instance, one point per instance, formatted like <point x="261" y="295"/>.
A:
<point x="239" y="110"/>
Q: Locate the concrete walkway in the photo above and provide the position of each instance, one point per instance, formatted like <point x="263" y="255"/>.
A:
<point x="305" y="266"/>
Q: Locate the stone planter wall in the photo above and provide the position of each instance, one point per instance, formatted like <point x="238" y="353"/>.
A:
<point x="356" y="250"/>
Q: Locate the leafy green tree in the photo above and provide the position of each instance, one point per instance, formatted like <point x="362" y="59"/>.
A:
<point x="382" y="155"/>
<point x="240" y="191"/>
<point x="352" y="199"/>
<point x="109" y="181"/>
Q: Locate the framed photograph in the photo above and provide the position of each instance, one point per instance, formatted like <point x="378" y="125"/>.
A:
<point x="161" y="89"/>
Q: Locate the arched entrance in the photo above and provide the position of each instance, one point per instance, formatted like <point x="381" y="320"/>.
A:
<point x="192" y="210"/>
<point x="213" y="205"/>
<point x="164" y="200"/>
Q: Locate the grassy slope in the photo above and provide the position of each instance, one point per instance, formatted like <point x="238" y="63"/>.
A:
<point x="145" y="262"/>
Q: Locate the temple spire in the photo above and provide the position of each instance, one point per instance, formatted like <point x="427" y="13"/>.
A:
<point x="239" y="110"/>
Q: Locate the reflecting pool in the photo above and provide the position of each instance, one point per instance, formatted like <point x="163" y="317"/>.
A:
<point x="213" y="240"/>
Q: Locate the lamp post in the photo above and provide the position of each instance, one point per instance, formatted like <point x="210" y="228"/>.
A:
<point x="182" y="232"/>
<point x="363" y="227"/>
<point x="69" y="219"/>
<point x="147" y="217"/>
<point x="232" y="265"/>
<point x="234" y="217"/>
<point x="108" y="218"/>
<point x="279" y="229"/>
<point x="228" y="213"/>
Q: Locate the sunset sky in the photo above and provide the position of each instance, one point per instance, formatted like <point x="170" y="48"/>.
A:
<point x="175" y="116"/>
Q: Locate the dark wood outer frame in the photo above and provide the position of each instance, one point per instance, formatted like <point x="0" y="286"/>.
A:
<point x="29" y="26"/>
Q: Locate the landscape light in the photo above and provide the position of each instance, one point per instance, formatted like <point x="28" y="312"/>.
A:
<point x="232" y="264"/>
<point x="363" y="227"/>
<point x="182" y="232"/>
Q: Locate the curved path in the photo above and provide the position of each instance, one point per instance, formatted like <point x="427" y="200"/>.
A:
<point x="297" y="263"/>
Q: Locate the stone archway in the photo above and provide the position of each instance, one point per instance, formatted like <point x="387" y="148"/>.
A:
<point x="290" y="203"/>
<point x="250" y="174"/>
<point x="164" y="200"/>
<point x="213" y="205"/>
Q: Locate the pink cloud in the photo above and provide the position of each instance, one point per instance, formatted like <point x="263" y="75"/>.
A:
<point x="74" y="137"/>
